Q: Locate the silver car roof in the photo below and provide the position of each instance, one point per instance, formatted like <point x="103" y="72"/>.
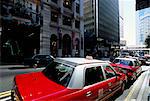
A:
<point x="78" y="61"/>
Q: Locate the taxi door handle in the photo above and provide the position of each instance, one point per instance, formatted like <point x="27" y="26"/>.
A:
<point x="109" y="84"/>
<point x="89" y="93"/>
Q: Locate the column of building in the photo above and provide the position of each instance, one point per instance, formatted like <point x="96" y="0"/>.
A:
<point x="45" y="31"/>
<point x="59" y="25"/>
<point x="73" y="26"/>
<point x="81" y="30"/>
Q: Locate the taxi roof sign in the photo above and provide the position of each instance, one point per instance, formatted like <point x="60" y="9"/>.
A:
<point x="89" y="57"/>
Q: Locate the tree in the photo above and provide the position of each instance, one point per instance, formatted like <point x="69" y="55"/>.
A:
<point x="147" y="41"/>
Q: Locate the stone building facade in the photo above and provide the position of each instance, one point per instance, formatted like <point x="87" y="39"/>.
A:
<point x="29" y="27"/>
<point x="62" y="29"/>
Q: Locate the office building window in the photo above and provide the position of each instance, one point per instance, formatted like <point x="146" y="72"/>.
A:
<point x="77" y="8"/>
<point x="77" y="24"/>
<point x="54" y="16"/>
<point x="68" y="4"/>
<point x="67" y="21"/>
<point x="141" y="37"/>
<point x="55" y="1"/>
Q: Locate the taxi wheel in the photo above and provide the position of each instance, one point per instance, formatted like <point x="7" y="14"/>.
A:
<point x="122" y="87"/>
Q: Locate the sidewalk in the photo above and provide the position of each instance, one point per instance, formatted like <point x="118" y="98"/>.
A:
<point x="140" y="90"/>
<point x="145" y="88"/>
<point x="12" y="66"/>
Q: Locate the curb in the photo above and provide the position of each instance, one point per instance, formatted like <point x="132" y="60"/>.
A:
<point x="12" y="66"/>
<point x="145" y="82"/>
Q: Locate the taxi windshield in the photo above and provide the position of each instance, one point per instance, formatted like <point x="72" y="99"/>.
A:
<point x="59" y="73"/>
<point x="123" y="62"/>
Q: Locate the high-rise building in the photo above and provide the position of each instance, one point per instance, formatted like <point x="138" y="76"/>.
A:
<point x="142" y="25"/>
<point x="101" y="18"/>
<point x="121" y="24"/>
<point x="142" y="21"/>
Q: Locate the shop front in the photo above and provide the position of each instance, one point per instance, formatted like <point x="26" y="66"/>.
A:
<point x="18" y="41"/>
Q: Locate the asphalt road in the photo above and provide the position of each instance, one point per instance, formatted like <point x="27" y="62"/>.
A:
<point x="7" y="75"/>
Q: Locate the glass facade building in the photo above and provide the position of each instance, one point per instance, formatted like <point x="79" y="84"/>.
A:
<point x="101" y="22"/>
<point x="108" y="17"/>
<point x="143" y="25"/>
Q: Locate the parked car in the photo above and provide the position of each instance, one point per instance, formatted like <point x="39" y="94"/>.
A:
<point x="131" y="75"/>
<point x="131" y="67"/>
<point x="142" y="59"/>
<point x="70" y="79"/>
<point x="39" y="60"/>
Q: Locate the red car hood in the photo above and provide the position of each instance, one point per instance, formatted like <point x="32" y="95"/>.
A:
<point x="36" y="86"/>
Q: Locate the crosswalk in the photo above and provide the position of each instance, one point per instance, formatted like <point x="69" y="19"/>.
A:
<point x="5" y="96"/>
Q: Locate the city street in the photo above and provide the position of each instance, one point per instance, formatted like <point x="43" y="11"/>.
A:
<point x="7" y="74"/>
<point x="74" y="33"/>
<point x="139" y="90"/>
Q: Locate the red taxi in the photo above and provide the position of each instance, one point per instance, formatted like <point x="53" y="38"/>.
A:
<point x="131" y="67"/>
<point x="70" y="79"/>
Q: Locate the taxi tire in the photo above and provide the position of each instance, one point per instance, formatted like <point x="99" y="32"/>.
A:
<point x="122" y="87"/>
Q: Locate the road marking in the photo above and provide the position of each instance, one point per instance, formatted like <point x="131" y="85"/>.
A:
<point x="2" y="93"/>
<point x="5" y="96"/>
<point x="6" y="99"/>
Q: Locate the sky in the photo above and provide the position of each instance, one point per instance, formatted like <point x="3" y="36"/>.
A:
<point x="129" y="21"/>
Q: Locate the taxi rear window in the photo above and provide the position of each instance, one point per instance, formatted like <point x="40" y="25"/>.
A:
<point x="59" y="73"/>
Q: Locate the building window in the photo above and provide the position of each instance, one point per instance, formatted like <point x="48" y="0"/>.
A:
<point x="54" y="16"/>
<point x="55" y="1"/>
<point x="68" y="4"/>
<point x="77" y="8"/>
<point x="141" y="37"/>
<point x="67" y="21"/>
<point x="77" y="24"/>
